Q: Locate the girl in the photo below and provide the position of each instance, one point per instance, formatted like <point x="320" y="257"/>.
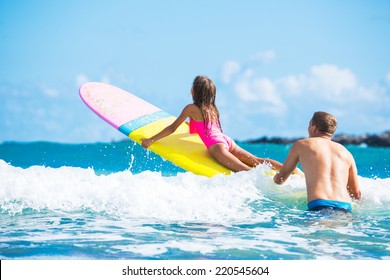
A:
<point x="204" y="120"/>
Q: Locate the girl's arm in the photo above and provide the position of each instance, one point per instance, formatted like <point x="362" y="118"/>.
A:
<point x="187" y="112"/>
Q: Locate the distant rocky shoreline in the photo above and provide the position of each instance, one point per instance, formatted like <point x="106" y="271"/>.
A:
<point x="372" y="140"/>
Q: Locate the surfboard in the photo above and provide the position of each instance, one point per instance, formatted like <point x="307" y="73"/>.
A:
<point x="137" y="118"/>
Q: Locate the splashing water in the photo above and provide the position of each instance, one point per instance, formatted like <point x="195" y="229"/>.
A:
<point x="116" y="201"/>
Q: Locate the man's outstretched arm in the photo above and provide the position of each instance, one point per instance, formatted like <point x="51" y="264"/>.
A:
<point x="289" y="165"/>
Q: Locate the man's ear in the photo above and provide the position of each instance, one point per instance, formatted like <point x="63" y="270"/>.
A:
<point x="315" y="129"/>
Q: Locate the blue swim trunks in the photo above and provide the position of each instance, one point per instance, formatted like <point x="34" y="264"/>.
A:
<point x="319" y="204"/>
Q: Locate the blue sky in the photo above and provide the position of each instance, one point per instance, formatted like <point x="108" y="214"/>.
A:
<point x="274" y="63"/>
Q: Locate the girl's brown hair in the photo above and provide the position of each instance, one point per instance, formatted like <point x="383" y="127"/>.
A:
<point x="203" y="94"/>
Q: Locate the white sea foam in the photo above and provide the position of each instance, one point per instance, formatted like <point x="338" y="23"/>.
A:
<point x="149" y="195"/>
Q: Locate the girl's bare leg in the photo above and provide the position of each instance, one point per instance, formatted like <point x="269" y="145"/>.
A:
<point x="252" y="160"/>
<point x="227" y="159"/>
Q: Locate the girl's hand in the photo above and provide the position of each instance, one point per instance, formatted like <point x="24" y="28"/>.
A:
<point x="146" y="142"/>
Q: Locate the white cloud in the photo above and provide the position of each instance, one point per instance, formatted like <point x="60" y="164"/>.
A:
<point x="324" y="80"/>
<point x="370" y="94"/>
<point x="105" y="79"/>
<point x="81" y="79"/>
<point x="323" y="83"/>
<point x="265" y="57"/>
<point x="287" y="102"/>
<point x="265" y="87"/>
<point x="327" y="81"/>
<point x="330" y="80"/>
<point x="229" y="69"/>
<point x="293" y="84"/>
<point x="260" y="93"/>
<point x="49" y="91"/>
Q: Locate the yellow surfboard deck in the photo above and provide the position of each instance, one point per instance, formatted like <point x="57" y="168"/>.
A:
<point x="138" y="119"/>
<point x="181" y="148"/>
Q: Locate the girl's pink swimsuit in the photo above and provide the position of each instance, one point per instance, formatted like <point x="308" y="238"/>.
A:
<point x="212" y="136"/>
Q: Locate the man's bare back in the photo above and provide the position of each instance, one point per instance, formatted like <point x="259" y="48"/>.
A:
<point x="330" y="170"/>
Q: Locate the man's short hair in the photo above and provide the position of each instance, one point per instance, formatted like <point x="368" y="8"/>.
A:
<point x="325" y="123"/>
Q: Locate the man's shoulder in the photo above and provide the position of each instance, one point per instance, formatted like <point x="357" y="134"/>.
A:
<point x="338" y="146"/>
<point x="303" y="142"/>
<point x="311" y="143"/>
<point x="300" y="145"/>
<point x="341" y="148"/>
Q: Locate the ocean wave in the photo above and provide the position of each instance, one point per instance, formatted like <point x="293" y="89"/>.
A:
<point x="185" y="196"/>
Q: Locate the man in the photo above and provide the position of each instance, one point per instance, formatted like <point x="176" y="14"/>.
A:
<point x="330" y="170"/>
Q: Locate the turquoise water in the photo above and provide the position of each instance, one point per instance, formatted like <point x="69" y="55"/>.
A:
<point x="118" y="201"/>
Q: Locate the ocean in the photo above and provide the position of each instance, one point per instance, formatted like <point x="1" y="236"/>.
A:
<point x="117" y="201"/>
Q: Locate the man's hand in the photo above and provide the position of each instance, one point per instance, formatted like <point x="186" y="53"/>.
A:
<point x="278" y="179"/>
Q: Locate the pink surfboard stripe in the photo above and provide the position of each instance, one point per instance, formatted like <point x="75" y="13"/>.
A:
<point x="113" y="104"/>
